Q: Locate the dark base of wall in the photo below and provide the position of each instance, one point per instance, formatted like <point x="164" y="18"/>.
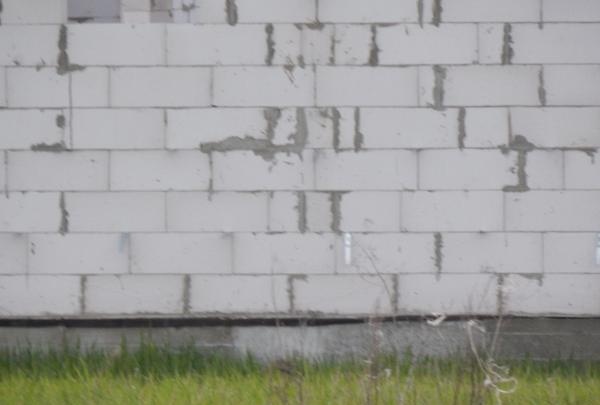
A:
<point x="269" y="339"/>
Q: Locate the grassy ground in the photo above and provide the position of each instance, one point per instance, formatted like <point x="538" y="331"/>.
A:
<point x="153" y="375"/>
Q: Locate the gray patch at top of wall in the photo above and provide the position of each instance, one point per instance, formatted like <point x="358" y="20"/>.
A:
<point x="63" y="65"/>
<point x="374" y="51"/>
<point x="522" y="146"/>
<point x="439" y="73"/>
<point x="420" y="12"/>
<point x="462" y="131"/>
<point x="507" y="50"/>
<point x="49" y="147"/>
<point x="64" y="215"/>
<point x="301" y="209"/>
<point x="270" y="45"/>
<point x="437" y="12"/>
<point x="231" y="11"/>
<point x="265" y="148"/>
<point x="438" y="243"/>
<point x="358" y="136"/>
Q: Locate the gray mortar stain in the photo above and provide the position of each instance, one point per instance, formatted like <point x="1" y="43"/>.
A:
<point x="60" y="121"/>
<point x="462" y="132"/>
<point x="439" y="73"/>
<point x="301" y="209"/>
<point x="49" y="147"/>
<point x="420" y="12"/>
<point x="358" y="136"/>
<point x="539" y="277"/>
<point x="265" y="148"/>
<point x="231" y="11"/>
<point x="288" y="69"/>
<point x="335" y="120"/>
<point x="272" y="116"/>
<point x="83" y="290"/>
<point x="261" y="147"/>
<point x="210" y="180"/>
<point x="332" y="44"/>
<point x="438" y="243"/>
<point x="522" y="146"/>
<point x="500" y="294"/>
<point x="437" y="12"/>
<point x="270" y="45"/>
<point x="300" y="138"/>
<point x="335" y="198"/>
<point x="507" y="50"/>
<point x="395" y="294"/>
<point x="591" y="152"/>
<point x="290" y="290"/>
<point x="187" y="287"/>
<point x="318" y="26"/>
<point x="64" y="66"/>
<point x="374" y="51"/>
<point x="64" y="215"/>
<point x="188" y="7"/>
<point x="541" y="87"/>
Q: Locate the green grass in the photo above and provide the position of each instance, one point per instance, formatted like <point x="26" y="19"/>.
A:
<point x="154" y="375"/>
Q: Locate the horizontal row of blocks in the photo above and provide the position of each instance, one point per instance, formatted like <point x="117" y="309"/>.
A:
<point x="418" y="294"/>
<point x="379" y="128"/>
<point x="289" y="44"/>
<point x="276" y="86"/>
<point x="263" y="253"/>
<point x="323" y="170"/>
<point x="358" y="11"/>
<point x="421" y="211"/>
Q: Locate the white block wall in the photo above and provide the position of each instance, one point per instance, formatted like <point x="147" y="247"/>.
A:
<point x="300" y="158"/>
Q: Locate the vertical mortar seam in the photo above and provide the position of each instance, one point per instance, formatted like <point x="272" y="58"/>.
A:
<point x="503" y="211"/>
<point x="543" y="247"/>
<point x="129" y="253"/>
<point x="109" y="170"/>
<point x="165" y="222"/>
<point x="563" y="155"/>
<point x="232" y="270"/>
<point x="165" y="45"/>
<point x="212" y="86"/>
<point x="27" y="252"/>
<point x="109" y="87"/>
<point x="6" y="186"/>
<point x="70" y="89"/>
<point x="418" y="161"/>
<point x="270" y="195"/>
